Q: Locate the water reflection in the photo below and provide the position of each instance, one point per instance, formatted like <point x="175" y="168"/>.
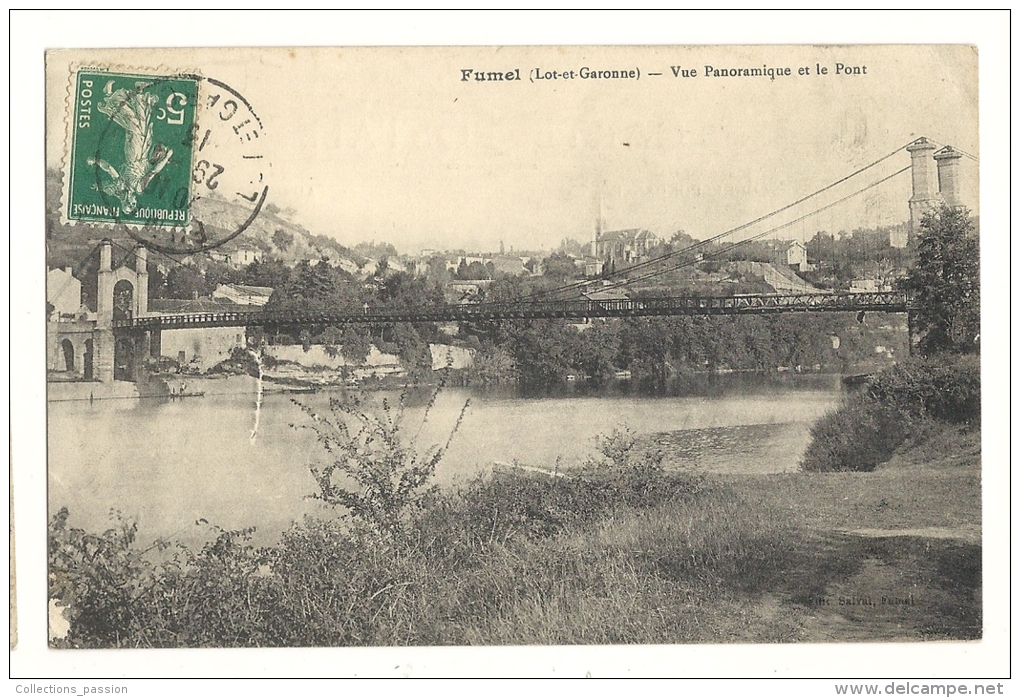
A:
<point x="686" y="385"/>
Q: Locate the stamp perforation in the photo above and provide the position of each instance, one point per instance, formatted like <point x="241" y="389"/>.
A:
<point x="215" y="109"/>
<point x="70" y="99"/>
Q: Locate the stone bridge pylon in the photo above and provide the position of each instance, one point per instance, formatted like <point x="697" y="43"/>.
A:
<point x="81" y="341"/>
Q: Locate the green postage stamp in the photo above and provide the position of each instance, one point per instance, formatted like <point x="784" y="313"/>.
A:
<point x="131" y="144"/>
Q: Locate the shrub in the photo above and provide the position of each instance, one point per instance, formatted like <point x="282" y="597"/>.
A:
<point x="508" y="504"/>
<point x="104" y="580"/>
<point x="241" y="361"/>
<point x="370" y="471"/>
<point x="896" y="405"/>
<point x="332" y="586"/>
<point x="118" y="594"/>
<point x="535" y="505"/>
<point x="857" y="437"/>
<point x="947" y="388"/>
<point x="623" y="474"/>
<point x="219" y="597"/>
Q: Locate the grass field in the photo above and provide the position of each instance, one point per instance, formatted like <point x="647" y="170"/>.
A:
<point x="892" y="555"/>
<point x="522" y="558"/>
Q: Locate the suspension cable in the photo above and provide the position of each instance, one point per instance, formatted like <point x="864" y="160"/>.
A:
<point x="758" y="236"/>
<point x="707" y="241"/>
<point x="961" y="152"/>
<point x="162" y="254"/>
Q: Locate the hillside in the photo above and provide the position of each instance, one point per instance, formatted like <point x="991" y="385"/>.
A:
<point x="271" y="232"/>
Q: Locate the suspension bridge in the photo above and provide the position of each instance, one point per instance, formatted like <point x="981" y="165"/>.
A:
<point x="747" y="304"/>
<point x="132" y="331"/>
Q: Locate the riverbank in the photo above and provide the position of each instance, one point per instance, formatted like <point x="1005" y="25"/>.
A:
<point x="891" y="556"/>
<point x="522" y="558"/>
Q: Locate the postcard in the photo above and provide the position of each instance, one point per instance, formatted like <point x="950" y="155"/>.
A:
<point x="518" y="346"/>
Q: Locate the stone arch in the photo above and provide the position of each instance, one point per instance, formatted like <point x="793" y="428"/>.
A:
<point x="123" y="300"/>
<point x="67" y="346"/>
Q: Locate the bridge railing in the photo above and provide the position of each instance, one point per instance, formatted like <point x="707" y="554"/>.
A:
<point x="890" y="301"/>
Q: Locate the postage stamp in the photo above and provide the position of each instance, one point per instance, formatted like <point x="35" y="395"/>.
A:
<point x="171" y="160"/>
<point x="131" y="149"/>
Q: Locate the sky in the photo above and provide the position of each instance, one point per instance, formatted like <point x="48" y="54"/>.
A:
<point x="391" y="144"/>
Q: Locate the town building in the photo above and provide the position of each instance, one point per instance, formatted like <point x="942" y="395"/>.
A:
<point x="63" y="293"/>
<point x="240" y="256"/>
<point x="593" y="268"/>
<point x="624" y="246"/>
<point x="509" y="265"/>
<point x="796" y="256"/>
<point x="243" y="295"/>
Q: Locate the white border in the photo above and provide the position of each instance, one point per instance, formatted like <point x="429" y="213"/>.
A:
<point x="32" y="33"/>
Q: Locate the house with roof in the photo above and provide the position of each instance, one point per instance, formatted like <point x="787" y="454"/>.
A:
<point x="242" y="255"/>
<point x="63" y="292"/>
<point x="201" y="347"/>
<point x="593" y="268"/>
<point x="242" y="294"/>
<point x="510" y="265"/>
<point x="796" y="256"/>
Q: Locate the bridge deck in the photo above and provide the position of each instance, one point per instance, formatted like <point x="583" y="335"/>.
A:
<point x="884" y="301"/>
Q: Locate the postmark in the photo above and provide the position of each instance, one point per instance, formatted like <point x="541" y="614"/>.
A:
<point x="174" y="161"/>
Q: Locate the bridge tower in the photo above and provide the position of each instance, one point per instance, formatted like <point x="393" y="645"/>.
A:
<point x="924" y="179"/>
<point x="948" y="160"/>
<point x="122" y="294"/>
<point x="102" y="337"/>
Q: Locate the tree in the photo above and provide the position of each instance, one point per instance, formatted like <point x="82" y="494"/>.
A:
<point x="946" y="282"/>
<point x="282" y="239"/>
<point x="598" y="348"/>
<point x="681" y="240"/>
<point x="473" y="271"/>
<point x="347" y="341"/>
<point x="559" y="266"/>
<point x="186" y="282"/>
<point x="271" y="273"/>
<point x="157" y="283"/>
<point x="543" y="350"/>
<point x="217" y="273"/>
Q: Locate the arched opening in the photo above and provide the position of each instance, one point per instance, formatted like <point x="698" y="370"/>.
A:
<point x="123" y="300"/>
<point x="68" y="348"/>
<point x="124" y="360"/>
<point x="87" y="360"/>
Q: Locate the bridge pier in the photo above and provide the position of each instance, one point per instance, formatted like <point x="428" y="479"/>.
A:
<point x="134" y="350"/>
<point x="154" y="341"/>
<point x="103" y="351"/>
<point x="912" y="338"/>
<point x="139" y="355"/>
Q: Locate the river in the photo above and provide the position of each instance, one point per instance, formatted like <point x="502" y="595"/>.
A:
<point x="168" y="464"/>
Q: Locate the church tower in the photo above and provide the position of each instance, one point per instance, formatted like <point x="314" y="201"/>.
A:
<point x="600" y="223"/>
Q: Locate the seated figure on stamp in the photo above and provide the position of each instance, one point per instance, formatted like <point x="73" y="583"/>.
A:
<point x="132" y="111"/>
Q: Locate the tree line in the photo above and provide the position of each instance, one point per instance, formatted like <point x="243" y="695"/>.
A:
<point x="652" y="349"/>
